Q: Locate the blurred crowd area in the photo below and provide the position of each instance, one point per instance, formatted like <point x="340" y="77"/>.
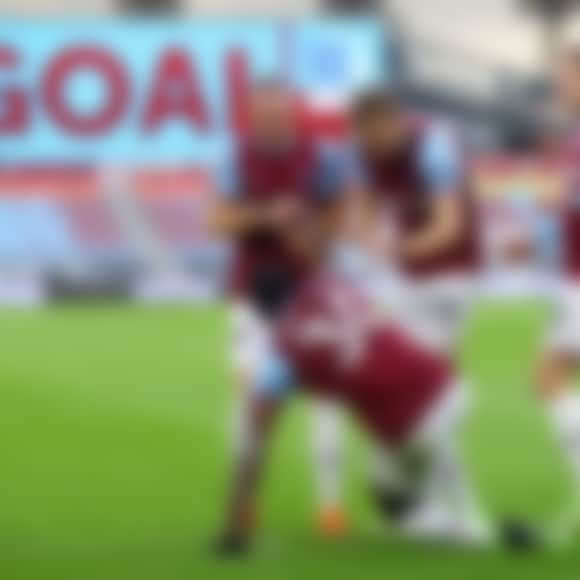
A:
<point x="106" y="177"/>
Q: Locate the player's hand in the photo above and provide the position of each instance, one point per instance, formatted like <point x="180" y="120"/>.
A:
<point x="381" y="243"/>
<point x="284" y="212"/>
<point x="230" y="544"/>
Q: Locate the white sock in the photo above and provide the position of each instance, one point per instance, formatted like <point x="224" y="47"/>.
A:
<point x="565" y="412"/>
<point x="328" y="453"/>
<point x="449" y="491"/>
<point x="386" y="471"/>
<point x="238" y="425"/>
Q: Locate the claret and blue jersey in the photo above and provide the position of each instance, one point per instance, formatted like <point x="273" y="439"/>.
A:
<point x="327" y="180"/>
<point x="332" y="342"/>
<point x="430" y="165"/>
<point x="437" y="158"/>
<point x="306" y="170"/>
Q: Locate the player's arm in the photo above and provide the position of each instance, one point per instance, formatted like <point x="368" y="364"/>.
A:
<point x="233" y="215"/>
<point x="274" y="381"/>
<point x="312" y="236"/>
<point x="317" y="228"/>
<point x="354" y="213"/>
<point x="444" y="229"/>
<point x="441" y="165"/>
<point x="231" y="218"/>
<point x="368" y="224"/>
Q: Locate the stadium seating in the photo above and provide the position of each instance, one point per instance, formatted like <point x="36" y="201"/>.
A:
<point x="35" y="233"/>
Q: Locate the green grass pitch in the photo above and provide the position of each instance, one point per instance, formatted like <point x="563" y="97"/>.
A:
<point x="114" y="455"/>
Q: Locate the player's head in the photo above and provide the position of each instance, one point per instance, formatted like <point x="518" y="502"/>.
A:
<point x="567" y="78"/>
<point x="378" y="122"/>
<point x="272" y="112"/>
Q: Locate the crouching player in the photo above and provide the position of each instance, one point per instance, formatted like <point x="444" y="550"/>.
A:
<point x="331" y="340"/>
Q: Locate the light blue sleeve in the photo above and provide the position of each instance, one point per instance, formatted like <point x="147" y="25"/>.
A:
<point x="548" y="238"/>
<point x="226" y="175"/>
<point x="275" y="377"/>
<point x="441" y="161"/>
<point x="338" y="170"/>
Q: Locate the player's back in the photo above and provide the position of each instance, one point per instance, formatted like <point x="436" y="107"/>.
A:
<point x="341" y="347"/>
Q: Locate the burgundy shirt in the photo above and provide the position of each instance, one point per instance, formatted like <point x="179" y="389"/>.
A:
<point x="430" y="164"/>
<point x="338" y="346"/>
<point x="257" y="175"/>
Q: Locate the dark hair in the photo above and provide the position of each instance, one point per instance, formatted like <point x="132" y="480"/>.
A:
<point x="374" y="103"/>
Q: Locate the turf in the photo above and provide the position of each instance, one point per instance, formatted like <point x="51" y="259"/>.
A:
<point x="114" y="455"/>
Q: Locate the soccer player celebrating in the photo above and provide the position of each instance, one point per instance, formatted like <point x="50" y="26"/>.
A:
<point x="414" y="171"/>
<point x="561" y="356"/>
<point x="277" y="185"/>
<point x="332" y="340"/>
<point x="411" y="206"/>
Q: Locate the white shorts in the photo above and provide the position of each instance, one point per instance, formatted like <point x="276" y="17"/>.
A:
<point x="436" y="310"/>
<point x="250" y="336"/>
<point x="564" y="335"/>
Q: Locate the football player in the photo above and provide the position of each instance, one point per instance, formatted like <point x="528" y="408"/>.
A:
<point x="276" y="183"/>
<point x="332" y="340"/>
<point x="412" y="205"/>
<point x="414" y="171"/>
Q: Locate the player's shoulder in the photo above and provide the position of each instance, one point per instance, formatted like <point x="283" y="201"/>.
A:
<point x="225" y="171"/>
<point x="441" y="153"/>
<point x="236" y="145"/>
<point x="437" y="136"/>
<point x="345" y="159"/>
<point x="331" y="150"/>
<point x="337" y="168"/>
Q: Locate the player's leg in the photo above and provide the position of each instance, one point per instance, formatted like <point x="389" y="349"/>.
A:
<point x="450" y="505"/>
<point x="249" y="339"/>
<point x="556" y="377"/>
<point x="556" y="386"/>
<point x="247" y="330"/>
<point x="447" y="508"/>
<point x="394" y="486"/>
<point x="328" y="466"/>
<point x="436" y="312"/>
<point x="439" y="310"/>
